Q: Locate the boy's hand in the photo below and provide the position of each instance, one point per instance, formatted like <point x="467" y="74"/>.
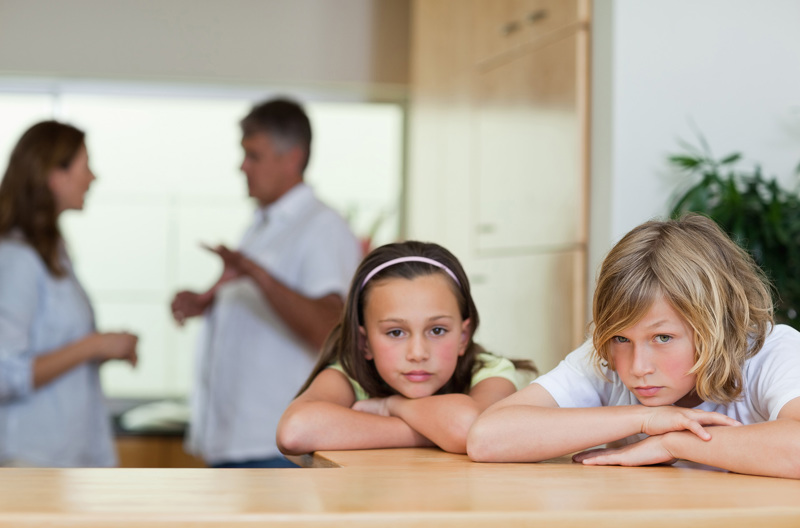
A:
<point x="648" y="452"/>
<point x="664" y="419"/>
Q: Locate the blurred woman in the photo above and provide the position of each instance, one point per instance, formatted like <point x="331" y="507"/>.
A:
<point x="52" y="411"/>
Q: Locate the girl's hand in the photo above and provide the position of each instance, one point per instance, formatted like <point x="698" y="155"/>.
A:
<point x="664" y="419"/>
<point x="648" y="452"/>
<point x="379" y="406"/>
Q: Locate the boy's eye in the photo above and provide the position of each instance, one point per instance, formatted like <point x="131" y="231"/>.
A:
<point x="439" y="331"/>
<point x="662" y="338"/>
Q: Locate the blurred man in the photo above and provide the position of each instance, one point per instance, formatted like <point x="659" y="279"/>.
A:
<point x="278" y="297"/>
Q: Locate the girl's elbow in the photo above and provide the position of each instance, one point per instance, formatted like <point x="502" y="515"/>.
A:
<point x="292" y="437"/>
<point x="482" y="444"/>
<point x="455" y="439"/>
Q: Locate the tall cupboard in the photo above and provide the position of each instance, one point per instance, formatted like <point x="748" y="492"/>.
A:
<point x="498" y="162"/>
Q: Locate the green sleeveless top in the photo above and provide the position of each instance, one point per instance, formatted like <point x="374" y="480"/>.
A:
<point x="494" y="367"/>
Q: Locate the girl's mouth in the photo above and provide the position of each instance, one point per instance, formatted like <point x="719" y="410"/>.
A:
<point x="417" y="375"/>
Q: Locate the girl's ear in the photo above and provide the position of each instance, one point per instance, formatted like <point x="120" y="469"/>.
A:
<point x="363" y="344"/>
<point x="466" y="332"/>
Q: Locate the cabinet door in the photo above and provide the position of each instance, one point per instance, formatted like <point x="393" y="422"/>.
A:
<point x="529" y="149"/>
<point x="500" y="26"/>
<point x="530" y="307"/>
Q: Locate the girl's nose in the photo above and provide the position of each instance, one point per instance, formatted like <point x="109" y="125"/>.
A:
<point x="417" y="350"/>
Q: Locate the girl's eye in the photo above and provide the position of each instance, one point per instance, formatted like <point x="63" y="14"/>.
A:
<point x="661" y="338"/>
<point x="439" y="331"/>
<point x="619" y="339"/>
<point x="394" y="333"/>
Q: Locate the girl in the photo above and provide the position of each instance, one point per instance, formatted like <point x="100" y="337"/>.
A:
<point x="400" y="369"/>
<point x="52" y="411"/>
<point x="683" y="341"/>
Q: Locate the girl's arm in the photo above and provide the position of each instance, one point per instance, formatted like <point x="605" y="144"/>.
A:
<point x="445" y="419"/>
<point x="770" y="449"/>
<point x="529" y="426"/>
<point x="321" y="419"/>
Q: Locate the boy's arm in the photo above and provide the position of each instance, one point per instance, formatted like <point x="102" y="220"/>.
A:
<point x="770" y="449"/>
<point x="445" y="419"/>
<point x="321" y="419"/>
<point x="528" y="426"/>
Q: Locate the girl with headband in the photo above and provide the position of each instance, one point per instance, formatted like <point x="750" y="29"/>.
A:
<point x="400" y="369"/>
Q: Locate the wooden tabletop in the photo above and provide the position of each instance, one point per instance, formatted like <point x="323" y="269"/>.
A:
<point x="397" y="488"/>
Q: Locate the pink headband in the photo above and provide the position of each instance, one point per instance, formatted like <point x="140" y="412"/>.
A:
<point x="409" y="259"/>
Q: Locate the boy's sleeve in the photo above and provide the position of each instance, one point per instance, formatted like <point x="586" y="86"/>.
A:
<point x="575" y="382"/>
<point x="776" y="380"/>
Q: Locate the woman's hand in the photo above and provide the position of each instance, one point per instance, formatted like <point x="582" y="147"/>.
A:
<point x="648" y="452"/>
<point x="115" y="345"/>
<point x="664" y="419"/>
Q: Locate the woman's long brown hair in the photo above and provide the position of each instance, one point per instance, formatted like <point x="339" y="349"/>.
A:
<point x="26" y="201"/>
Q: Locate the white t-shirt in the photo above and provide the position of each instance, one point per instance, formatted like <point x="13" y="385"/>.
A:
<point x="250" y="364"/>
<point x="771" y="379"/>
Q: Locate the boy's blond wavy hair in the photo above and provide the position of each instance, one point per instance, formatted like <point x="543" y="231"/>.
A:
<point x="709" y="280"/>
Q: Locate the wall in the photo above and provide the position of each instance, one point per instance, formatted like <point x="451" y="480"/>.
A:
<point x="665" y="69"/>
<point x="344" y="44"/>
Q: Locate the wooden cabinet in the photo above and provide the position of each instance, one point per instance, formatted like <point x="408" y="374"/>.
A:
<point x="527" y="150"/>
<point x="498" y="161"/>
<point x="154" y="451"/>
<point x="530" y="305"/>
<point x="501" y="26"/>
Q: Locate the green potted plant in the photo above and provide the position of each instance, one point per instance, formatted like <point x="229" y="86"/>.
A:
<point x="755" y="211"/>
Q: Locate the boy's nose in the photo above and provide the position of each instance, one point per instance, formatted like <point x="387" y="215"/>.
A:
<point x="641" y="363"/>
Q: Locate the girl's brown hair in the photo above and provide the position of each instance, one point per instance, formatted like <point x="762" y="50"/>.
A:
<point x="345" y="345"/>
<point x="26" y="201"/>
<point x="708" y="279"/>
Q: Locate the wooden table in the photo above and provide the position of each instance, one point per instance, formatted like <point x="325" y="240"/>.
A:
<point x="397" y="488"/>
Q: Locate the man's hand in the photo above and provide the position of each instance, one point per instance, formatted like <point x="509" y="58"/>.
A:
<point x="236" y="264"/>
<point x="188" y="304"/>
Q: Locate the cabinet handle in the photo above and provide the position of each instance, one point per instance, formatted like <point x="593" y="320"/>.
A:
<point x="535" y="16"/>
<point x="509" y="28"/>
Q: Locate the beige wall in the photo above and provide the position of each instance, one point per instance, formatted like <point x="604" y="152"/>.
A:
<point x="341" y="44"/>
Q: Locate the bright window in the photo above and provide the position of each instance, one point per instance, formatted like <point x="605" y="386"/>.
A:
<point x="168" y="179"/>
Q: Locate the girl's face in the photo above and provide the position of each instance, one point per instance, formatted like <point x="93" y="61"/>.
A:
<point x="654" y="356"/>
<point x="414" y="333"/>
<point x="69" y="185"/>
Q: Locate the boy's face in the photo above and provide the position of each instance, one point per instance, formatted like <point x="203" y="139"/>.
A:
<point x="654" y="356"/>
